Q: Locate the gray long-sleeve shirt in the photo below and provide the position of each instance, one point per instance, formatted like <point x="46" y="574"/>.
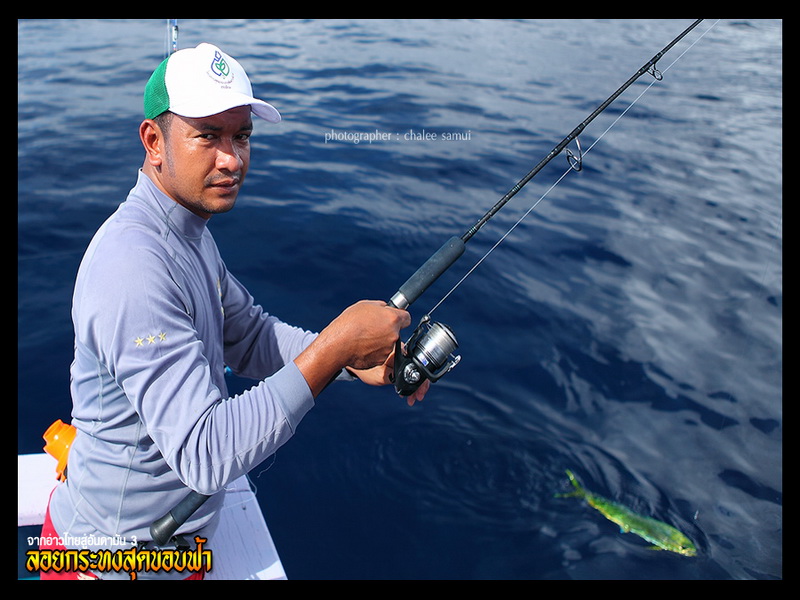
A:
<point x="157" y="318"/>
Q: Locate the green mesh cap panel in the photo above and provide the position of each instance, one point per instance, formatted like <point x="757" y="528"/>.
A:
<point x="156" y="97"/>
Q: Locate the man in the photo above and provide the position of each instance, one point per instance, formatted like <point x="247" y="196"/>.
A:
<point x="158" y="318"/>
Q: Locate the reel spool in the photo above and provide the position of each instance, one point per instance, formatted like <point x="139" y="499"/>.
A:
<point x="428" y="355"/>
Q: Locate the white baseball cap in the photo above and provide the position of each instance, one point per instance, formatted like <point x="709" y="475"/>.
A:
<point x="200" y="82"/>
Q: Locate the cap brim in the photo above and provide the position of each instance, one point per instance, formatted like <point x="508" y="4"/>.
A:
<point x="265" y="111"/>
<point x="207" y="107"/>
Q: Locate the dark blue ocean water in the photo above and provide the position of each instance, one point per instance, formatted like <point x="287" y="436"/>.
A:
<point x="630" y="329"/>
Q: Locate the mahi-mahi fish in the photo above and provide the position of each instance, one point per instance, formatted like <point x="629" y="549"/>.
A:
<point x="661" y="535"/>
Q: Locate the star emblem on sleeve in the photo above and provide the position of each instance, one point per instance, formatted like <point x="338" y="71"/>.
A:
<point x="151" y="338"/>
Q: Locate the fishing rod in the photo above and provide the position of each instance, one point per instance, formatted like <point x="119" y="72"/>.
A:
<point x="429" y="352"/>
<point x="172" y="36"/>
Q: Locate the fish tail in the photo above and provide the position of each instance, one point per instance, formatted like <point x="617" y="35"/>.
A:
<point x="579" y="491"/>
<point x="574" y="481"/>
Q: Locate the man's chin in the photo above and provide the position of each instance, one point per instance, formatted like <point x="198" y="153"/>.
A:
<point x="219" y="205"/>
<point x="221" y="208"/>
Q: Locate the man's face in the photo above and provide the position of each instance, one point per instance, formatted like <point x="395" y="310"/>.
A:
<point x="206" y="159"/>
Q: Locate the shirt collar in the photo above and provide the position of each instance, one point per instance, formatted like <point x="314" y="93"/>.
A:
<point x="176" y="216"/>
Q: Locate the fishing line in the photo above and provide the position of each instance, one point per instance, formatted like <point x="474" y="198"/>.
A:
<point x="429" y="353"/>
<point x="575" y="163"/>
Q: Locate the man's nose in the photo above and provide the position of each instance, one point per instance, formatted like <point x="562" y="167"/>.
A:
<point x="229" y="157"/>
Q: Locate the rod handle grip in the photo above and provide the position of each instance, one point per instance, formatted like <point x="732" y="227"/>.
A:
<point x="429" y="272"/>
<point x="164" y="528"/>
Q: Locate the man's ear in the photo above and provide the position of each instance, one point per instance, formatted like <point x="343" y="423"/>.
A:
<point x="153" y="141"/>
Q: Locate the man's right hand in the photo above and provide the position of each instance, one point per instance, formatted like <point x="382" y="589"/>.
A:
<point x="362" y="337"/>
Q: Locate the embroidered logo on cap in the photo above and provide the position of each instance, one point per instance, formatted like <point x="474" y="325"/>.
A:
<point x="219" y="65"/>
<point x="220" y="70"/>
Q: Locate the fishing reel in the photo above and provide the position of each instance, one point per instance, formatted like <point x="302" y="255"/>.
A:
<point x="428" y="355"/>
